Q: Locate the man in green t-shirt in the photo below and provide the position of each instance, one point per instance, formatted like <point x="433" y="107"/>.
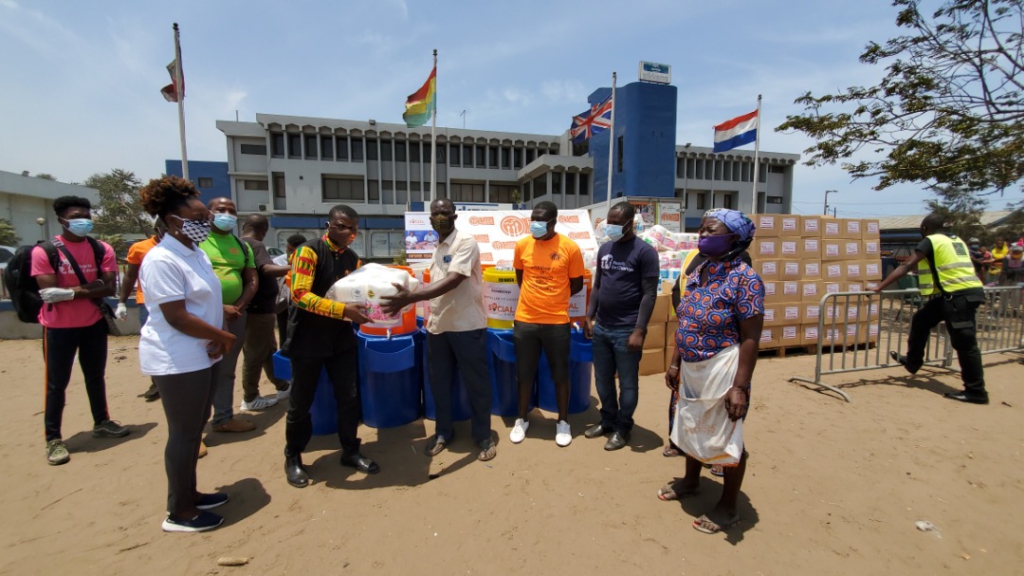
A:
<point x="235" y="266"/>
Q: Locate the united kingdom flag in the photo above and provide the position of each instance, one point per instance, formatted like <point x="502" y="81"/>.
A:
<point x="590" y="122"/>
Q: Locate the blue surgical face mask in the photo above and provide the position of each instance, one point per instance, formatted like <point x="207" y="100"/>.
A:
<point x="79" y="226"/>
<point x="614" y="232"/>
<point x="538" y="229"/>
<point x="225" y="222"/>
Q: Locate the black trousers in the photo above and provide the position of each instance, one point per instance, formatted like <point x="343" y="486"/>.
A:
<point x="282" y="327"/>
<point x="959" y="316"/>
<point x="343" y="370"/>
<point x="467" y="352"/>
<point x="187" y="400"/>
<point x="59" y="348"/>
<point x="555" y="341"/>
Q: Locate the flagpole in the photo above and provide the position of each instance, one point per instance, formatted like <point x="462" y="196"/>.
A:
<point x="757" y="149"/>
<point x="611" y="144"/>
<point x="180" y="89"/>
<point x="433" y="140"/>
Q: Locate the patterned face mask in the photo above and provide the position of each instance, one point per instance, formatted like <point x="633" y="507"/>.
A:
<point x="196" y="230"/>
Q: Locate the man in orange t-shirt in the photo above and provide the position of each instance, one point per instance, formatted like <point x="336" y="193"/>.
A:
<point x="549" y="269"/>
<point x="136" y="253"/>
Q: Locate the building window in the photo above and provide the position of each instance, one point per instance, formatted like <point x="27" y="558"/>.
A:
<point x="357" y="149"/>
<point x="517" y="158"/>
<point x="570" y="183"/>
<point x="342" y="148"/>
<point x="467" y="156"/>
<point x="373" y="191"/>
<point x="277" y="145"/>
<point x="506" y="157"/>
<point x="726" y="170"/>
<point x="492" y="157"/>
<point x="690" y="167"/>
<point x="311" y="147"/>
<point x="620" y="152"/>
<point x="255" y="184"/>
<point x="254" y="149"/>
<point x="680" y="167"/>
<point x="371" y="149"/>
<point x="481" y="157"/>
<point x="718" y="170"/>
<point x="327" y="147"/>
<point x="205" y="182"/>
<point x="414" y="152"/>
<point x="278" y="184"/>
<point x="295" y="146"/>
<point x="455" y="156"/>
<point x="727" y="201"/>
<point x="700" y="169"/>
<point x="556" y="182"/>
<point x="540" y="186"/>
<point x="530" y="155"/>
<point x="502" y="193"/>
<point x="342" y="188"/>
<point x="385" y="151"/>
<point x="762" y="174"/>
<point x="702" y="201"/>
<point x="466" y="192"/>
<point x="584" y="184"/>
<point x="400" y="151"/>
<point x="777" y="169"/>
<point x="441" y="151"/>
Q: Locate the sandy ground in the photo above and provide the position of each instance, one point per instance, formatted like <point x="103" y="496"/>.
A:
<point x="831" y="488"/>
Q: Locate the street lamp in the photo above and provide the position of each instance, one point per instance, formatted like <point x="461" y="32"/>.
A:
<point x="42" y="222"/>
<point x="827" y="192"/>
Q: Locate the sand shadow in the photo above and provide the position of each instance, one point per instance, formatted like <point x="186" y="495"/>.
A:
<point x="398" y="451"/>
<point x="248" y="496"/>
<point x="709" y="491"/>
<point x="263" y="419"/>
<point x="85" y="442"/>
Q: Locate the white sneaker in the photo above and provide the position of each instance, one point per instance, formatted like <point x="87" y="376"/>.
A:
<point x="518" y="433"/>
<point x="259" y="403"/>
<point x="563" y="435"/>
<point x="284" y="394"/>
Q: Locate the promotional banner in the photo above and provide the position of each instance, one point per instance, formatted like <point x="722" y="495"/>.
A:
<point x="646" y="211"/>
<point x="670" y="217"/>
<point x="496" y="232"/>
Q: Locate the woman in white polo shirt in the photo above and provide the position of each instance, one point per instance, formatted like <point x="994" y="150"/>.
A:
<point x="181" y="342"/>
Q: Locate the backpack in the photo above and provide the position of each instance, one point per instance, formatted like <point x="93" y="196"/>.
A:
<point x="23" y="288"/>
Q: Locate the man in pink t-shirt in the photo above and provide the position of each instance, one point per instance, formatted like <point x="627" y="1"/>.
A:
<point x="72" y="321"/>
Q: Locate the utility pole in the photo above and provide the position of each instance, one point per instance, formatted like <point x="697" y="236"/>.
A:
<point x="827" y="192"/>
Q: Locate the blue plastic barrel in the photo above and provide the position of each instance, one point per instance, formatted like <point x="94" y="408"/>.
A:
<point x="501" y="364"/>
<point x="389" y="382"/>
<point x="461" y="408"/>
<point x="581" y="368"/>
<point x="324" y="411"/>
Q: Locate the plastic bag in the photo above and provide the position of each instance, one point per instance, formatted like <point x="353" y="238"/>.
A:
<point x="366" y="287"/>
<point x="702" y="427"/>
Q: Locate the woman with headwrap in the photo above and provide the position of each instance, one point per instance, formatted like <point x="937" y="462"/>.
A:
<point x="720" y="321"/>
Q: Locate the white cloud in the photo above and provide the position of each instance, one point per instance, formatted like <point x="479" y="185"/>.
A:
<point x="570" y="91"/>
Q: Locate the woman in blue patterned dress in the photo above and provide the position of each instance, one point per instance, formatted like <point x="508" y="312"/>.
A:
<point x="720" y="321"/>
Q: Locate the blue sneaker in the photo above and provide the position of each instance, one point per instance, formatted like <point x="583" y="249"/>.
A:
<point x="201" y="523"/>
<point x="211" y="501"/>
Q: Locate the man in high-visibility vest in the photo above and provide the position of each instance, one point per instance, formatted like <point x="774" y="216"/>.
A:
<point x="946" y="276"/>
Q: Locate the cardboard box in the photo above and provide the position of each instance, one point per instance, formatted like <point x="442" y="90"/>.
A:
<point x="767" y="225"/>
<point x="765" y="248"/>
<point x="790" y="335"/>
<point x="873" y="307"/>
<point x="811" y="269"/>
<point x="831" y="250"/>
<point x="871" y="285"/>
<point x="870" y="229"/>
<point x="852" y="250"/>
<point x="851" y="229"/>
<point x="810" y="226"/>
<point x="811" y="290"/>
<point x="769" y="338"/>
<point x="872" y="248"/>
<point x="854" y="310"/>
<point x="652" y="362"/>
<point x="790" y="270"/>
<point x="809" y="335"/>
<point x="834" y="312"/>
<point x="791" y="314"/>
<point x="772" y="314"/>
<point x="662" y="308"/>
<point x="853" y="287"/>
<point x="655" y="336"/>
<point x="810" y="248"/>
<point x="832" y="271"/>
<point x="809" y="313"/>
<point x="772" y="288"/>
<point x="872" y="269"/>
<point x="789" y="225"/>
<point x="666" y="286"/>
<point x="671" y="327"/>
<point x="669" y="351"/>
<point x="790" y="247"/>
<point x="767" y="269"/>
<point x="830" y="287"/>
<point x="831" y="229"/>
<point x="789" y="292"/>
<point x="853" y="271"/>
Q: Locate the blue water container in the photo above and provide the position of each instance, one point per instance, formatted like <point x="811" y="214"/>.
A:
<point x="501" y="364"/>
<point x="389" y="382"/>
<point x="581" y="369"/>
<point x="461" y="408"/>
<point x="324" y="411"/>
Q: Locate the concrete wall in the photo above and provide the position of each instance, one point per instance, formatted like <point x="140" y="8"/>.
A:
<point x="13" y="329"/>
<point x="23" y="199"/>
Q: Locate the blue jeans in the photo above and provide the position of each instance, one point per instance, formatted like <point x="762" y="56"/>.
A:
<point x="611" y="357"/>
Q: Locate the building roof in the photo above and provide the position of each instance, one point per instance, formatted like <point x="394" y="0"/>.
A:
<point x="914" y="222"/>
<point x="19" y="185"/>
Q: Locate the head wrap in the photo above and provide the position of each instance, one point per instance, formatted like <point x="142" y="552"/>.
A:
<point x="734" y="220"/>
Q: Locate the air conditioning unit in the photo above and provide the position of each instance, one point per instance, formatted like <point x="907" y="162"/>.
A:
<point x="263" y="207"/>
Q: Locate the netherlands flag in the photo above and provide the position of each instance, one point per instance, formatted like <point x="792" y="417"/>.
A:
<point x="736" y="132"/>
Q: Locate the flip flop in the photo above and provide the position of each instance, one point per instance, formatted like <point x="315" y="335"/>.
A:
<point x="718" y="471"/>
<point x="671" y="451"/>
<point x="667" y="493"/>
<point x="708" y="526"/>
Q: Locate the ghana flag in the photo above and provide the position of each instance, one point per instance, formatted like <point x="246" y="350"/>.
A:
<point x="420" y="104"/>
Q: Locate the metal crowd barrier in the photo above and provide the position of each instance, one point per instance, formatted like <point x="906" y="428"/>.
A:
<point x="857" y="331"/>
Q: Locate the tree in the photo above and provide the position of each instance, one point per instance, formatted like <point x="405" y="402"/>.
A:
<point x="8" y="235"/>
<point x="119" y="210"/>
<point x="962" y="209"/>
<point x="949" y="112"/>
<point x="46" y="176"/>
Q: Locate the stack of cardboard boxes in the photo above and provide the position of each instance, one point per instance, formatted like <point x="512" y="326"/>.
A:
<point x="661" y="334"/>
<point x="802" y="258"/>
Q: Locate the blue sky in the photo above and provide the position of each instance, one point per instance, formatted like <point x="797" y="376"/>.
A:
<point x="81" y="79"/>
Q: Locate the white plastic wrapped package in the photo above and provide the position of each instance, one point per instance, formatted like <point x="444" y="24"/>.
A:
<point x="670" y="259"/>
<point x="366" y="287"/>
<point x="659" y="233"/>
<point x="684" y="241"/>
<point x="651" y="241"/>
